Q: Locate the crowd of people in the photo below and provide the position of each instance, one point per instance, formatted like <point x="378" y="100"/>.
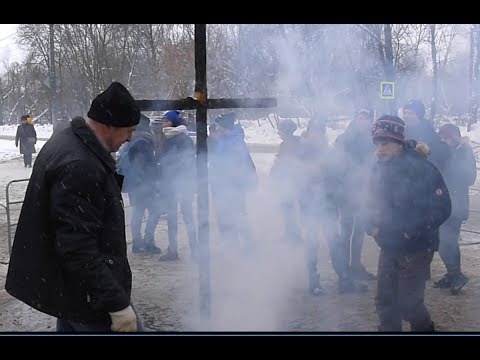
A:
<point x="393" y="178"/>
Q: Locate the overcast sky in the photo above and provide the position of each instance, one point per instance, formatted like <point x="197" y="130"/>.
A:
<point x="8" y="50"/>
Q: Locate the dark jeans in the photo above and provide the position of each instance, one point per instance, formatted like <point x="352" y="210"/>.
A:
<point x="292" y="230"/>
<point x="232" y="218"/>
<point x="323" y="220"/>
<point x="401" y="283"/>
<point x="141" y="204"/>
<point x="448" y="248"/>
<point x="66" y="326"/>
<point x="27" y="159"/>
<point x="352" y="234"/>
<point x="185" y="200"/>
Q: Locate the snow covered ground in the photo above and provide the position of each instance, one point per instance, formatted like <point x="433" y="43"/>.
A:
<point x="267" y="292"/>
<point x="256" y="132"/>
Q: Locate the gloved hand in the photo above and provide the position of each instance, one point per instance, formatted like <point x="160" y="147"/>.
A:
<point x="124" y="320"/>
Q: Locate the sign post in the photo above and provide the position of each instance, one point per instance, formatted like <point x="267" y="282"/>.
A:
<point x="387" y="90"/>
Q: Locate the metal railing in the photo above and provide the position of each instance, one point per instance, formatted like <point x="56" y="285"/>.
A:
<point x="8" y="210"/>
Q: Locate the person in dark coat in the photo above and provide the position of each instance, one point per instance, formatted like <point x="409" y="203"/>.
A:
<point x="356" y="154"/>
<point x="158" y="137"/>
<point x="408" y="201"/>
<point x="136" y="161"/>
<point x="422" y="130"/>
<point x="285" y="173"/>
<point x="460" y="172"/>
<point x="232" y="174"/>
<point x="177" y="181"/>
<point x="319" y="208"/>
<point x="69" y="255"/>
<point x="26" y="137"/>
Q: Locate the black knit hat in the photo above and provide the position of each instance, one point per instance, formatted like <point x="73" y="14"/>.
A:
<point x="390" y="128"/>
<point x="144" y="123"/>
<point x="417" y="107"/>
<point x="115" y="107"/>
<point x="226" y="120"/>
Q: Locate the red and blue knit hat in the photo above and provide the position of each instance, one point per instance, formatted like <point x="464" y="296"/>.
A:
<point x="389" y="128"/>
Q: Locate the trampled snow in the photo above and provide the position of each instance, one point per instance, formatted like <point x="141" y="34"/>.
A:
<point x="256" y="132"/>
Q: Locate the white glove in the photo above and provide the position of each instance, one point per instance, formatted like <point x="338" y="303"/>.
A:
<point x="124" y="320"/>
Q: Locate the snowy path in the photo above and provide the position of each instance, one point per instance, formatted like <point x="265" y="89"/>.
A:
<point x="265" y="292"/>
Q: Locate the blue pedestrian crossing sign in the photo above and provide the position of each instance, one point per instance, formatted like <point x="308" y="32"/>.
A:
<point x="387" y="90"/>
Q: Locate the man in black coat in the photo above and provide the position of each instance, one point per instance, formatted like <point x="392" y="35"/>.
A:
<point x="422" y="130"/>
<point x="136" y="162"/>
<point x="460" y="173"/>
<point x="408" y="201"/>
<point x="356" y="153"/>
<point x="286" y="173"/>
<point x="26" y="137"/>
<point x="232" y="175"/>
<point x="319" y="196"/>
<point x="69" y="256"/>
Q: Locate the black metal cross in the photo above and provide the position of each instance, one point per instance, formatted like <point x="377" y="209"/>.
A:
<point x="200" y="102"/>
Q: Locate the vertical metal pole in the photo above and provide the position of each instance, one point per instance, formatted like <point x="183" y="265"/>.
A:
<point x="202" y="172"/>
<point x="9" y="217"/>
<point x="9" y="231"/>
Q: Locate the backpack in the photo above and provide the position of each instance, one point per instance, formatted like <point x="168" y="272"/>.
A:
<point x="123" y="164"/>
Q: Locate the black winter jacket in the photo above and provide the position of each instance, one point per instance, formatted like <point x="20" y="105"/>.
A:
<point x="425" y="132"/>
<point x="460" y="173"/>
<point x="407" y="195"/>
<point x="69" y="255"/>
<point x="26" y="137"/>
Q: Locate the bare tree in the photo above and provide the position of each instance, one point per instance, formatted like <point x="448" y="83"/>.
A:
<point x="435" y="71"/>
<point x="316" y="68"/>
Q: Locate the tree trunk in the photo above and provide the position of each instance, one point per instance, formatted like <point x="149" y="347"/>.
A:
<point x="388" y="65"/>
<point x="53" y="82"/>
<point x="433" y="104"/>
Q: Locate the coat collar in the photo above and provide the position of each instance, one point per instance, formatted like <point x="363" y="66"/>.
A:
<point x="82" y="130"/>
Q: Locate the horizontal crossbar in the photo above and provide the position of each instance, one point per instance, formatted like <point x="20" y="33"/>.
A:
<point x="192" y="104"/>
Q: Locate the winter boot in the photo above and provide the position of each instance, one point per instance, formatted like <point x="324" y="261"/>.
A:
<point x="458" y="283"/>
<point x="314" y="285"/>
<point x="443" y="283"/>
<point x="152" y="249"/>
<point x="138" y="246"/>
<point x="169" y="256"/>
<point x="348" y="285"/>
<point x="360" y="273"/>
<point x="150" y="246"/>
<point x="429" y="327"/>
